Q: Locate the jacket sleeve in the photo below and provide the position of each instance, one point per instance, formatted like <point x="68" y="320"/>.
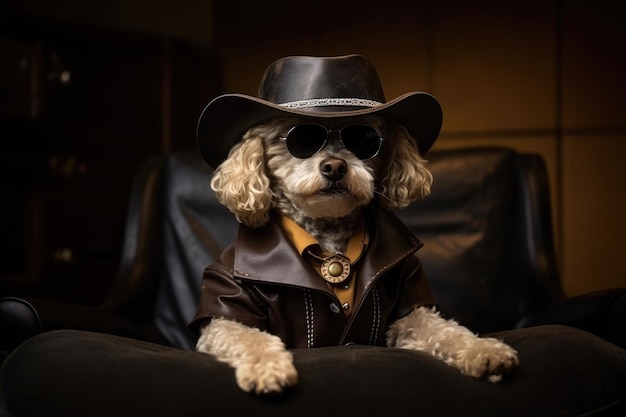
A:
<point x="221" y="295"/>
<point x="414" y="290"/>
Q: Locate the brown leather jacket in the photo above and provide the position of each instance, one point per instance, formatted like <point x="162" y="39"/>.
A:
<point x="261" y="281"/>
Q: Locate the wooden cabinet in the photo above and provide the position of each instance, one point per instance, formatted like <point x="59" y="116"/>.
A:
<point x="79" y="110"/>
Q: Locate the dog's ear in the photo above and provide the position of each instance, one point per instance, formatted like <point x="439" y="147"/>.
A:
<point x="405" y="176"/>
<point x="241" y="184"/>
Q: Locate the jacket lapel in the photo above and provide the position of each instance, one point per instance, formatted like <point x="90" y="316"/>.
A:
<point x="390" y="242"/>
<point x="266" y="254"/>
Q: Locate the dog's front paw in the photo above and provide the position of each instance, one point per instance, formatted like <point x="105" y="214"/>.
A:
<point x="267" y="374"/>
<point x="488" y="358"/>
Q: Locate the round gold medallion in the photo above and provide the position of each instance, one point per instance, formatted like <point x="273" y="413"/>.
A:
<point x="335" y="269"/>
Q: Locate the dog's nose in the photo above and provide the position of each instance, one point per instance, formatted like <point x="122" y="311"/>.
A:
<point x="333" y="169"/>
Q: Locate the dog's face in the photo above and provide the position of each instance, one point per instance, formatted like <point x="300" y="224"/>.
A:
<point x="331" y="183"/>
<point x="260" y="173"/>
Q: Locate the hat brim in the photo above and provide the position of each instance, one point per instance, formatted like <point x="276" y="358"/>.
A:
<point x="225" y="119"/>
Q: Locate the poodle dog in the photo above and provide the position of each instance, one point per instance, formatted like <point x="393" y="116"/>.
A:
<point x="326" y="188"/>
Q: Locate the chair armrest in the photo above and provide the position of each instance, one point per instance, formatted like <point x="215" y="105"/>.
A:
<point x="536" y="244"/>
<point x="134" y="290"/>
<point x="602" y="313"/>
<point x="19" y="321"/>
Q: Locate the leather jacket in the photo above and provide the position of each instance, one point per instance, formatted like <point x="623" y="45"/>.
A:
<point x="263" y="282"/>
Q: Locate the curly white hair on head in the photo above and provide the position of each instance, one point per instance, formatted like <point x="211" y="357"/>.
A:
<point x="241" y="183"/>
<point x="405" y="178"/>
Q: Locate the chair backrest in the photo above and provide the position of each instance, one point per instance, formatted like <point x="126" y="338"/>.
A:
<point x="488" y="250"/>
<point x="174" y="229"/>
<point x="488" y="247"/>
<point x="196" y="230"/>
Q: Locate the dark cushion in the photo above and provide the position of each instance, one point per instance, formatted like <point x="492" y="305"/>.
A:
<point x="71" y="373"/>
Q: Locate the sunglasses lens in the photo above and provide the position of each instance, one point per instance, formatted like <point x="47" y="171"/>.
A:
<point x="362" y="140"/>
<point x="304" y="141"/>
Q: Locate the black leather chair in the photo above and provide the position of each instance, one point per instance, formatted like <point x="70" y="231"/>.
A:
<point x="488" y="253"/>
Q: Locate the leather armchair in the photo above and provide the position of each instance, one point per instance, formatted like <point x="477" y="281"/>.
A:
<point x="488" y="252"/>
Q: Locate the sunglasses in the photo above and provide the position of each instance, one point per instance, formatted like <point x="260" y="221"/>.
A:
<point x="305" y="140"/>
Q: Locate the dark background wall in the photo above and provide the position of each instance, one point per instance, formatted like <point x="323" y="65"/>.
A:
<point x="544" y="76"/>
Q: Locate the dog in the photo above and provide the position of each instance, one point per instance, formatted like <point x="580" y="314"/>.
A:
<point x="310" y="171"/>
<point x="260" y="175"/>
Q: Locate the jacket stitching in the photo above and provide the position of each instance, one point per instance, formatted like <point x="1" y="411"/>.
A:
<point x="376" y="319"/>
<point x="310" y="317"/>
<point x="221" y="269"/>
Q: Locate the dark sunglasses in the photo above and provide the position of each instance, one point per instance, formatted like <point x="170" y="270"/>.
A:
<point x="305" y="140"/>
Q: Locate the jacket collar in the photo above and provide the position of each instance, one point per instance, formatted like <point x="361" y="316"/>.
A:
<point x="303" y="241"/>
<point x="267" y="255"/>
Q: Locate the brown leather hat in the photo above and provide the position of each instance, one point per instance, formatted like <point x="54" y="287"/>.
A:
<point x="314" y="87"/>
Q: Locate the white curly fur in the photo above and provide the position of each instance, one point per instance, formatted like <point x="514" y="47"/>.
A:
<point x="426" y="331"/>
<point x="240" y="182"/>
<point x="262" y="364"/>
<point x="260" y="175"/>
<point x="407" y="179"/>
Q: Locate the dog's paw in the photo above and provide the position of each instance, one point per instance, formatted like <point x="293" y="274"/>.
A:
<point x="269" y="374"/>
<point x="488" y="358"/>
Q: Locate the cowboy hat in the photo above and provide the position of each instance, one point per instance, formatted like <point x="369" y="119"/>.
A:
<point x="314" y="87"/>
